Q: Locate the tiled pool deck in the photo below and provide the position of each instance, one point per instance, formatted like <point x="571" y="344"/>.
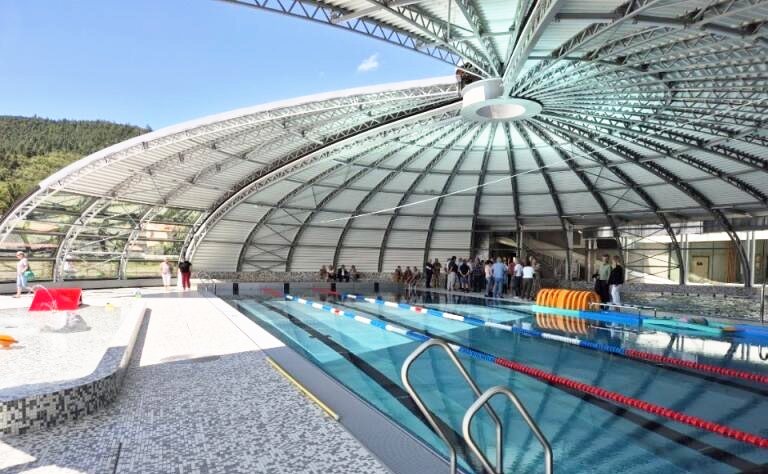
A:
<point x="199" y="397"/>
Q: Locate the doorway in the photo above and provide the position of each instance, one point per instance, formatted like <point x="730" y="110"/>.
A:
<point x="700" y="267"/>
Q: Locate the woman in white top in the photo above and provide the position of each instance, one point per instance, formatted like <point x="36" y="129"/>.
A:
<point x="488" y="269"/>
<point x="21" y="277"/>
<point x="165" y="272"/>
<point x="517" y="277"/>
<point x="527" y="280"/>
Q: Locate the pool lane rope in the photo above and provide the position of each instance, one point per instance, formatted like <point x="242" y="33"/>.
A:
<point x="597" y="346"/>
<point x="648" y="407"/>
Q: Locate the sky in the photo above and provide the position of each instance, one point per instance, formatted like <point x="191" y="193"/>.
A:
<point x="161" y="62"/>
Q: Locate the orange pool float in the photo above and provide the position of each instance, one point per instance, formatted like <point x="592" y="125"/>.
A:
<point x="580" y="300"/>
<point x="6" y="341"/>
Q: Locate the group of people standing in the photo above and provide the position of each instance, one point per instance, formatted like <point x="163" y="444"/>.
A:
<point x="608" y="280"/>
<point x="410" y="277"/>
<point x="512" y="276"/>
<point x="330" y="273"/>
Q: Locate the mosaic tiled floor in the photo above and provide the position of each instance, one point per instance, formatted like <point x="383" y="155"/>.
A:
<point x="199" y="398"/>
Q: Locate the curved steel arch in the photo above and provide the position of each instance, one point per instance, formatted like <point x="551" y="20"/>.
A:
<point x="380" y="185"/>
<point x="419" y="178"/>
<point x="291" y="163"/>
<point x="684" y="157"/>
<point x="555" y="198"/>
<point x="585" y="181"/>
<point x="446" y="187"/>
<point x="629" y="182"/>
<point x="476" y="206"/>
<point x="674" y="180"/>
<point x="320" y="206"/>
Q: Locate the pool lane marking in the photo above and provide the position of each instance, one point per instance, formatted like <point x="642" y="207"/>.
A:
<point x="387" y="384"/>
<point x="628" y="353"/>
<point x="707" y="450"/>
<point x="722" y="430"/>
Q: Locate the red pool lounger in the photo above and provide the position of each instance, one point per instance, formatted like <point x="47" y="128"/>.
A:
<point x="50" y="299"/>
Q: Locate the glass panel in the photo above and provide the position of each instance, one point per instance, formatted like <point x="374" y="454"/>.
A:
<point x="69" y="202"/>
<point x="155" y="248"/>
<point x="142" y="269"/>
<point x="85" y="268"/>
<point x="43" y="269"/>
<point x="182" y="216"/>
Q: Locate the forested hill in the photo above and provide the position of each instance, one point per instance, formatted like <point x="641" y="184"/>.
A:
<point x="33" y="148"/>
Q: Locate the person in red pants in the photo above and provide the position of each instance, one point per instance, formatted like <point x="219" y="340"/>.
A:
<point x="185" y="268"/>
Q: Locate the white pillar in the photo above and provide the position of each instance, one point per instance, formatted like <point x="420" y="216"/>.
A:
<point x="751" y="250"/>
<point x="683" y="242"/>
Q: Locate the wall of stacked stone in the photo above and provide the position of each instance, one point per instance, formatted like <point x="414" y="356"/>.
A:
<point x="294" y="277"/>
<point x="40" y="406"/>
<point x="298" y="277"/>
<point x="739" y="291"/>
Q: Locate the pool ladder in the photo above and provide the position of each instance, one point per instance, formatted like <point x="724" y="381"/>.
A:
<point x="481" y="402"/>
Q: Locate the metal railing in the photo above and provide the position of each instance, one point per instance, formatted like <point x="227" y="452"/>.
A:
<point x="207" y="283"/>
<point x="404" y="374"/>
<point x="483" y="401"/>
<point x="480" y="402"/>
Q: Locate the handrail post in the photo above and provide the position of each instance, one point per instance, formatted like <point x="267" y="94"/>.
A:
<point x="483" y="401"/>
<point x="404" y="375"/>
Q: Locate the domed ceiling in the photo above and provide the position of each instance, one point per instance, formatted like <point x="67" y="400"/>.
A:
<point x="645" y="112"/>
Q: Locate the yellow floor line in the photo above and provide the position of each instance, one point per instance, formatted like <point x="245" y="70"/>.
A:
<point x="303" y="389"/>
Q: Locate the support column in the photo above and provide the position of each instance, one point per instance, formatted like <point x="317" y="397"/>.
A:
<point x="751" y="251"/>
<point x="520" y="243"/>
<point x="569" y="253"/>
<point x="683" y="266"/>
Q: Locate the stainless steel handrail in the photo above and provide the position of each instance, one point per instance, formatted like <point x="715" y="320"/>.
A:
<point x="404" y="372"/>
<point x="638" y="308"/>
<point x="203" y="276"/>
<point x="483" y="401"/>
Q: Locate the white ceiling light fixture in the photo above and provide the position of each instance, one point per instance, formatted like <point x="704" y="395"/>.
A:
<point x="483" y="102"/>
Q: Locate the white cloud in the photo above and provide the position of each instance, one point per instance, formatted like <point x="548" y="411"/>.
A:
<point x="369" y="64"/>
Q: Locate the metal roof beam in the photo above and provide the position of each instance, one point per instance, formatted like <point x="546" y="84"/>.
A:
<point x="629" y="182"/>
<point x="438" y="205"/>
<point x="628" y="11"/>
<point x="430" y="28"/>
<point x="415" y="183"/>
<point x="640" y="131"/>
<point x="383" y="182"/>
<point x="551" y="187"/>
<point x="320" y="207"/>
<point x="372" y="9"/>
<point x="479" y="27"/>
<point x="513" y="173"/>
<point x="436" y="31"/>
<point x="293" y="162"/>
<point x="248" y="242"/>
<point x="582" y="177"/>
<point x="479" y="192"/>
<point x="675" y="181"/>
<point x="539" y="17"/>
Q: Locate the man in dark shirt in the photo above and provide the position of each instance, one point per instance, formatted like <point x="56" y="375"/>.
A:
<point x="464" y="275"/>
<point x="185" y="268"/>
<point x="453" y="271"/>
<point x="342" y="274"/>
<point x="428" y="273"/>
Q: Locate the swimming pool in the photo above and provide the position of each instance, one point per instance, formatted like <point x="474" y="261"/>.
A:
<point x="588" y="433"/>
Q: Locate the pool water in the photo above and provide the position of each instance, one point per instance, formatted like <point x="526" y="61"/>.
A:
<point x="587" y="433"/>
